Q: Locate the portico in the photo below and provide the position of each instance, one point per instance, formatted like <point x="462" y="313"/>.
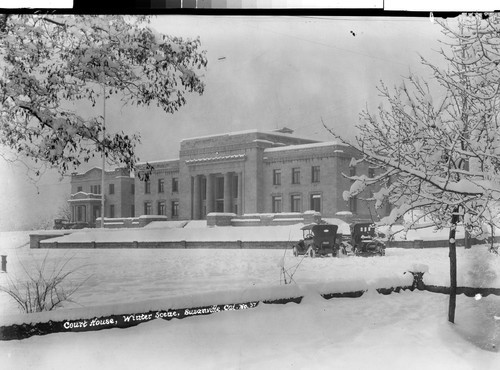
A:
<point x="216" y="192"/>
<point x="85" y="207"/>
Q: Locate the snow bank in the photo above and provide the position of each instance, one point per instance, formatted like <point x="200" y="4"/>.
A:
<point x="399" y="331"/>
<point x="252" y="294"/>
<point x="212" y="234"/>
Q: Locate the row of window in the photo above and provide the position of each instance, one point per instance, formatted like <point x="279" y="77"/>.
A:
<point x="96" y="189"/>
<point x="315" y="175"/>
<point x="315" y="203"/>
<point x="161" y="208"/>
<point x="161" y="185"/>
<point x="296" y="203"/>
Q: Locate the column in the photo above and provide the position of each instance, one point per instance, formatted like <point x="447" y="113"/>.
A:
<point x="210" y="193"/>
<point x="240" y="193"/>
<point x="228" y="204"/>
<point x="196" y="198"/>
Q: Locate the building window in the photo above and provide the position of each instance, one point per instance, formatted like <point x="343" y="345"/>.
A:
<point x="296" y="203"/>
<point x="316" y="202"/>
<point x="175" y="208"/>
<point x="111" y="188"/>
<point x="132" y="210"/>
<point x="219" y="194"/>
<point x="371" y="172"/>
<point x="175" y="184"/>
<point x="235" y="187"/>
<point x="161" y="185"/>
<point x="80" y="213"/>
<point x="277" y="204"/>
<point x="147" y="187"/>
<point x="147" y="208"/>
<point x="353" y="204"/>
<point x="132" y="189"/>
<point x="295" y="175"/>
<point x="161" y="208"/>
<point x="112" y="210"/>
<point x="276" y="177"/>
<point x="95" y="189"/>
<point x="352" y="171"/>
<point x="315" y="174"/>
<point x="79" y="189"/>
<point x="388" y="208"/>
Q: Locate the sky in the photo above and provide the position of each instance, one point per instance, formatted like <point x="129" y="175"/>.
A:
<point x="263" y="72"/>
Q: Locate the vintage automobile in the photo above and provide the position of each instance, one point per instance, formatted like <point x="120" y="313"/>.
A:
<point x="364" y="240"/>
<point x="318" y="240"/>
<point x="60" y="223"/>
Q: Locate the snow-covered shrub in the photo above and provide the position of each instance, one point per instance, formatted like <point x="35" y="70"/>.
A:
<point x="44" y="287"/>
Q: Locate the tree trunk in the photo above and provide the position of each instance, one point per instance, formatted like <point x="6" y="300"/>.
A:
<point x="467" y="241"/>
<point x="453" y="266"/>
<point x="492" y="243"/>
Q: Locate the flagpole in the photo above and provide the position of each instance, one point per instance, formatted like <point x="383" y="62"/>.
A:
<point x="103" y="157"/>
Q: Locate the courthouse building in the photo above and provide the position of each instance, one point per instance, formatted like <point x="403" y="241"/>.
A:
<point x="242" y="173"/>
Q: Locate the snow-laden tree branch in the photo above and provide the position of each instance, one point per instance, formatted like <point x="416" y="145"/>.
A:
<point x="440" y="145"/>
<point x="51" y="61"/>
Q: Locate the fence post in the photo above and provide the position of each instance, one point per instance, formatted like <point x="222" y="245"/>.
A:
<point x="418" y="281"/>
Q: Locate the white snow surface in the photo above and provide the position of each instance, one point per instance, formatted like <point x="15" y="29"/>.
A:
<point x="198" y="231"/>
<point x="407" y="330"/>
<point x="203" y="233"/>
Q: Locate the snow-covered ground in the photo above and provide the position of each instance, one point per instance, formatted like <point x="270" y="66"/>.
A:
<point x="407" y="330"/>
<point x="198" y="231"/>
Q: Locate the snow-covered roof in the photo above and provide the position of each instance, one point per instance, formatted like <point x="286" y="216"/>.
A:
<point x="253" y="131"/>
<point x="217" y="158"/>
<point x="97" y="168"/>
<point x="85" y="200"/>
<point x="305" y="146"/>
<point x="87" y="195"/>
<point x="158" y="161"/>
<point x="223" y="134"/>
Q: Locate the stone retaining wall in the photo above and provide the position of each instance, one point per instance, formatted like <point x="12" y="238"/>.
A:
<point x="422" y="244"/>
<point x="238" y="244"/>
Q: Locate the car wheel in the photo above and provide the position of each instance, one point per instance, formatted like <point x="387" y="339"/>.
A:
<point x="312" y="252"/>
<point x="295" y="251"/>
<point x="355" y="251"/>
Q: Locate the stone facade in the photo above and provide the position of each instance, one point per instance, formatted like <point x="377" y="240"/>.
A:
<point x="86" y="195"/>
<point x="250" y="172"/>
<point x="161" y="194"/>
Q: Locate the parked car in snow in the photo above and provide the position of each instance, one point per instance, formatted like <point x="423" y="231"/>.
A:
<point x="318" y="240"/>
<point x="364" y="240"/>
<point x="60" y="223"/>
